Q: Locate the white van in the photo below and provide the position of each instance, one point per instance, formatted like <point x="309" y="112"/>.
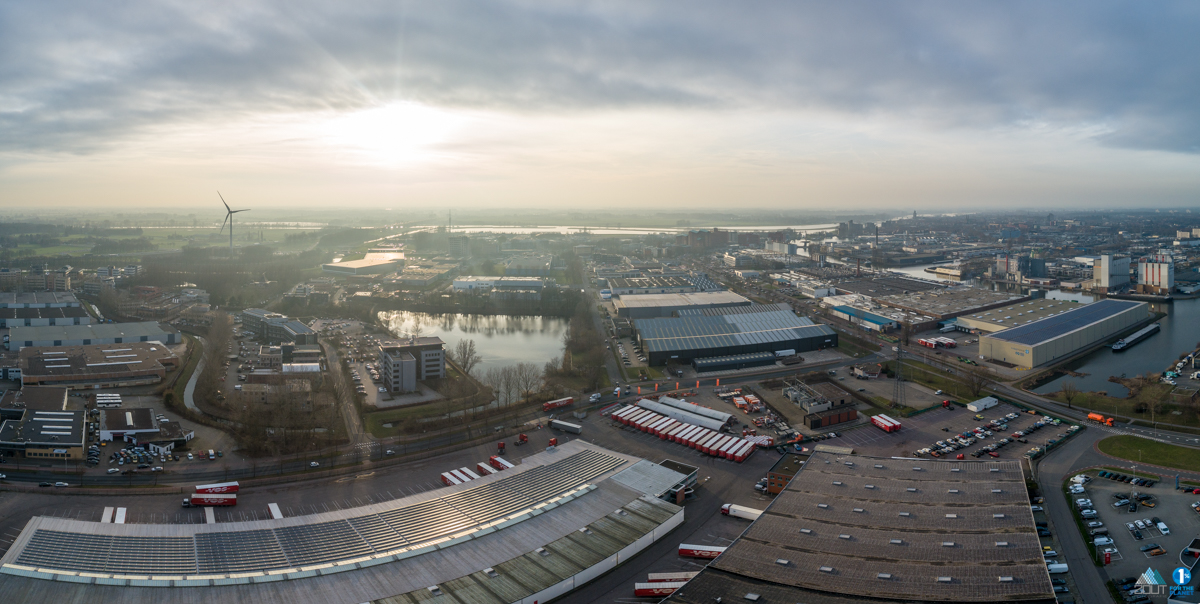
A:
<point x="1056" y="569"/>
<point x="1162" y="528"/>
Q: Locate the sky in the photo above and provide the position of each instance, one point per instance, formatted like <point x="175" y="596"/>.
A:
<point x="670" y="105"/>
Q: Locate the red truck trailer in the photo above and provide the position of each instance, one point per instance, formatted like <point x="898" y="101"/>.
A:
<point x="485" y="469"/>
<point x="449" y="479"/>
<point x="670" y="577"/>
<point x="699" y="551"/>
<point x="500" y="463"/>
<point x="555" y="404"/>
<point x="656" y="589"/>
<point x="203" y="499"/>
<point x="218" y="487"/>
<point x="885" y="423"/>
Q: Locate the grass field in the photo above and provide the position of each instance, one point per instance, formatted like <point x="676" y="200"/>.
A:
<point x="1128" y="407"/>
<point x="1139" y="450"/>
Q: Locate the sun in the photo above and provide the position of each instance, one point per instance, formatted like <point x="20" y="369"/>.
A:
<point x="396" y="134"/>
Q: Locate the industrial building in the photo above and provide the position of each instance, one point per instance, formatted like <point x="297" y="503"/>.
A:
<point x="650" y="285"/>
<point x="38" y="299"/>
<point x="1014" y="315"/>
<point x="276" y="327"/>
<point x="1110" y="273"/>
<point x="87" y="335"/>
<point x="1059" y="336"/>
<point x="37" y="425"/>
<point x="96" y="366"/>
<point x="1156" y="275"/>
<point x="371" y="264"/>
<point x="647" y="306"/>
<point x="404" y="362"/>
<point x="722" y="332"/>
<point x="850" y="529"/>
<point x="950" y="302"/>
<point x="865" y="319"/>
<point x="531" y="533"/>
<point x="41" y="316"/>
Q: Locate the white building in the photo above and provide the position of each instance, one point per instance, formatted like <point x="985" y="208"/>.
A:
<point x="1156" y="274"/>
<point x="1111" y="273"/>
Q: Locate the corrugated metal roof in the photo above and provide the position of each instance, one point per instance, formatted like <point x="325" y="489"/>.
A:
<point x="1057" y="325"/>
<point x="696" y="330"/>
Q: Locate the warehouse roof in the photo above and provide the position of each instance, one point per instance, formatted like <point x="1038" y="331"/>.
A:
<point x="515" y="534"/>
<point x="1058" y="325"/>
<point x="42" y="312"/>
<point x="649" y="478"/>
<point x="133" y="332"/>
<point x="681" y="300"/>
<point x="46" y="428"/>
<point x="21" y="300"/>
<point x="697" y="330"/>
<point x="956" y="531"/>
<point x="94" y="359"/>
<point x="1014" y="315"/>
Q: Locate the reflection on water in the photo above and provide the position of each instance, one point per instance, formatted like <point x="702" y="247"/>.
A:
<point x="500" y="340"/>
<point x="1180" y="334"/>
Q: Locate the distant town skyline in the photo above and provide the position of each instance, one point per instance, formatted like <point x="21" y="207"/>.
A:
<point x="799" y="106"/>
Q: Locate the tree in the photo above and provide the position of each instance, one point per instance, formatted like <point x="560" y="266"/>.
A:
<point x="528" y="378"/>
<point x="977" y="379"/>
<point x="1069" y="392"/>
<point x="465" y="355"/>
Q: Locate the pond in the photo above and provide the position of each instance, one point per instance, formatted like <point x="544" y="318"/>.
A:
<point x="501" y="340"/>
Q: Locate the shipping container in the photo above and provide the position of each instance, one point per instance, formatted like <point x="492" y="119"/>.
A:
<point x="715" y="446"/>
<point x="667" y="428"/>
<point x="732" y="445"/>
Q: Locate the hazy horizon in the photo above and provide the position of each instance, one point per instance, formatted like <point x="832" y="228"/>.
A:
<point x="935" y="107"/>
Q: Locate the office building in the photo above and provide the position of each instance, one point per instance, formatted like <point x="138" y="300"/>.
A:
<point x="404" y="362"/>
<point x="275" y="327"/>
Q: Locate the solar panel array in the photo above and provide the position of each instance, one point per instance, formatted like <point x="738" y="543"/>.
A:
<point x="318" y="543"/>
<point x="1052" y="327"/>
<point x="759" y="324"/>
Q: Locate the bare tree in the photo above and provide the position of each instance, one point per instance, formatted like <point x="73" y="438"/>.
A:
<point x="528" y="378"/>
<point x="465" y="355"/>
<point x="1069" y="392"/>
<point x="977" y="379"/>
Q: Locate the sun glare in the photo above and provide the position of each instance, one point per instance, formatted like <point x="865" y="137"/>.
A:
<point x="393" y="135"/>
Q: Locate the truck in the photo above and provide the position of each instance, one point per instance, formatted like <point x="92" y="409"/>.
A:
<point x="566" y="426"/>
<point x="206" y="499"/>
<point x="218" y="487"/>
<point x="658" y="589"/>
<point x="779" y="354"/>
<point x="1096" y="417"/>
<point x="557" y="403"/>
<point x="947" y="329"/>
<point x="706" y="552"/>
<point x="670" y="577"/>
<point x="521" y="439"/>
<point x="500" y="463"/>
<point x="212" y="454"/>
<point x="740" y="511"/>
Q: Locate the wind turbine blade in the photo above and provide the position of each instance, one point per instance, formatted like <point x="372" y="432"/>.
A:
<point x="223" y="223"/>
<point x="223" y="200"/>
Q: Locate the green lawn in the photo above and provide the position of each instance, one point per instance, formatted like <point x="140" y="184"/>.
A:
<point x="1138" y="450"/>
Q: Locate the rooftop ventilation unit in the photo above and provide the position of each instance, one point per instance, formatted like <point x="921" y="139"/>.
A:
<point x="542" y="551"/>
<point x="912" y="489"/>
<point x="843" y="536"/>
<point x="993" y="469"/>
<point x="884" y="576"/>
<point x="837" y="483"/>
<point x="1001" y="544"/>
<point x="1006" y="579"/>
<point x="878" y="466"/>
<point x="868" y="486"/>
<point x="751" y="596"/>
<point x="997" y="515"/>
<point x="491" y="572"/>
<point x="905" y="514"/>
<point x="434" y="590"/>
<point x="806" y="531"/>
<point x="826" y="569"/>
<point x="953" y="491"/>
<point x="896" y="541"/>
<point x="823" y="505"/>
<point x="858" y="510"/>
<point x="952" y="515"/>
<point x="955" y="469"/>
<point x="781" y="562"/>
<point x="944" y="579"/>
<point x="947" y="544"/>
<point x="997" y="491"/>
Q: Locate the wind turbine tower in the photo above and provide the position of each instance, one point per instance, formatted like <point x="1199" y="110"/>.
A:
<point x="229" y="219"/>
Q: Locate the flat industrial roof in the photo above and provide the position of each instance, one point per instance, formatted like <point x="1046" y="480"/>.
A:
<point x="1018" y="314"/>
<point x="41" y="398"/>
<point x="1052" y="327"/>
<point x="44" y="428"/>
<point x="945" y="302"/>
<point x="885" y="529"/>
<point x="20" y="300"/>
<point x="120" y="420"/>
<point x="94" y="359"/>
<point x="680" y="299"/>
<point x="714" y="329"/>
<point x="42" y="312"/>
<point x="152" y="330"/>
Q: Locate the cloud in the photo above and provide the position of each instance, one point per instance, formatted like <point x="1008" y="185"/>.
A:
<point x="77" y="80"/>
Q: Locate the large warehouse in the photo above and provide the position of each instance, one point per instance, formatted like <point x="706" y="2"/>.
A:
<point x="103" y="366"/>
<point x="556" y="521"/>
<point x="647" y="306"/>
<point x="1041" y="342"/>
<point x="1015" y="315"/>
<point x="851" y="529"/>
<point x="86" y="335"/>
<point x="723" y="332"/>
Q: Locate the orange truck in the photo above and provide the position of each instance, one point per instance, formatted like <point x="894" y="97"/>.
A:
<point x="1096" y="417"/>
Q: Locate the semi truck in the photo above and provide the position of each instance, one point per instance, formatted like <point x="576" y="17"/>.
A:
<point x="885" y="423"/>
<point x="670" y="577"/>
<point x="1096" y="417"/>
<point x="657" y="589"/>
<point x="500" y="463"/>
<point x="555" y="404"/>
<point x="566" y="426"/>
<point x="206" y="499"/>
<point x="218" y="487"/>
<point x="740" y="511"/>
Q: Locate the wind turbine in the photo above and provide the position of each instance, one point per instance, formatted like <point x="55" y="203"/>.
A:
<point x="229" y="218"/>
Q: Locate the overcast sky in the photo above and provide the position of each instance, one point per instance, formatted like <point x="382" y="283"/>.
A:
<point x="938" y="105"/>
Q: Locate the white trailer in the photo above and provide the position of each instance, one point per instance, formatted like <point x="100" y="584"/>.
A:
<point x="740" y="511"/>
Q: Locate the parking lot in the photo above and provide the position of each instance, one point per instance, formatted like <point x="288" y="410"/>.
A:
<point x="924" y="430"/>
<point x="1134" y="550"/>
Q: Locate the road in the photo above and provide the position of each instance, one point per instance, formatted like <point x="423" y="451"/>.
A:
<point x="189" y="392"/>
<point x="354" y="426"/>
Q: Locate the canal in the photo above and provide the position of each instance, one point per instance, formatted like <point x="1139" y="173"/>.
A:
<point x="500" y="340"/>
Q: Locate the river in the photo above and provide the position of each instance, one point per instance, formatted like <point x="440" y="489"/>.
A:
<point x="500" y="340"/>
<point x="1179" y="334"/>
